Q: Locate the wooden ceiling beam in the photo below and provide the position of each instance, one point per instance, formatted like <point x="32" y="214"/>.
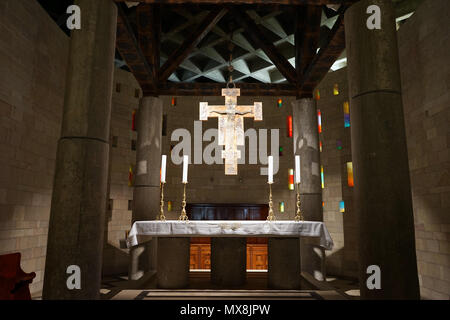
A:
<point x="258" y="40"/>
<point x="149" y="33"/>
<point x="129" y="49"/>
<point x="215" y="89"/>
<point x="325" y="58"/>
<point x="307" y="32"/>
<point x="190" y="43"/>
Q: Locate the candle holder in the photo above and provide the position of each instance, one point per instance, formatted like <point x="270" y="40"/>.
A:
<point x="298" y="215"/>
<point x="162" y="217"/>
<point x="183" y="216"/>
<point x="271" y="216"/>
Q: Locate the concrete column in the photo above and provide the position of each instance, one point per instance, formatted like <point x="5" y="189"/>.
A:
<point x="146" y="193"/>
<point x="382" y="188"/>
<point x="306" y="144"/>
<point x="228" y="261"/>
<point x="77" y="215"/>
<point x="173" y="263"/>
<point x="284" y="263"/>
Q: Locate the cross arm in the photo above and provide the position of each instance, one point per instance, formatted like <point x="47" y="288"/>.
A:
<point x="211" y="111"/>
<point x="254" y="111"/>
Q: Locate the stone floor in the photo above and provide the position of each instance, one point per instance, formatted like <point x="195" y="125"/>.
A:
<point x="117" y="288"/>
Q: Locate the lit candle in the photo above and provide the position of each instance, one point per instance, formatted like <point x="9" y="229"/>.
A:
<point x="297" y="169"/>
<point x="270" y="169"/>
<point x="163" y="168"/>
<point x="185" y="169"/>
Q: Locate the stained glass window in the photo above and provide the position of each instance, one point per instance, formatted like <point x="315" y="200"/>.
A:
<point x="336" y="90"/>
<point x="289" y="126"/>
<point x="346" y="115"/>
<point x="350" y="174"/>
<point x="319" y="120"/>
<point x="321" y="177"/>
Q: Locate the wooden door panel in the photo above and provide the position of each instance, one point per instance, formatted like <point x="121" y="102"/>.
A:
<point x="205" y="256"/>
<point x="200" y="257"/>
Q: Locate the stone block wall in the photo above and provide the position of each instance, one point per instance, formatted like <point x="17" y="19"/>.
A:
<point x="343" y="259"/>
<point x="208" y="183"/>
<point x="424" y="46"/>
<point x="126" y="96"/>
<point x="33" y="59"/>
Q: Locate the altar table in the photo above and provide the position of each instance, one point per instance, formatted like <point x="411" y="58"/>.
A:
<point x="229" y="228"/>
<point x="228" y="253"/>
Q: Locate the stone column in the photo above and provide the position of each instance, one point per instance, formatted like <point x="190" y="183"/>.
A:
<point x="228" y="261"/>
<point x="284" y="263"/>
<point x="146" y="193"/>
<point x="77" y="216"/>
<point x="382" y="188"/>
<point x="306" y="144"/>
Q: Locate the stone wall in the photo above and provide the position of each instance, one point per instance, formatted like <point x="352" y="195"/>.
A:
<point x="424" y="44"/>
<point x="33" y="58"/>
<point x="336" y="153"/>
<point x="33" y="55"/>
<point x="423" y="51"/>
<point x="126" y="95"/>
<point x="208" y="183"/>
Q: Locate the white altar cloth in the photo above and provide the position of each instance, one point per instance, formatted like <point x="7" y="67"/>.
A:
<point x="229" y="228"/>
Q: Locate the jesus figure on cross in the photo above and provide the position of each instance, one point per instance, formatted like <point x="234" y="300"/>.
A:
<point x="231" y="125"/>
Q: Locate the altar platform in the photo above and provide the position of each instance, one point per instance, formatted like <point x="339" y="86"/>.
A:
<point x="228" y="249"/>
<point x="142" y="231"/>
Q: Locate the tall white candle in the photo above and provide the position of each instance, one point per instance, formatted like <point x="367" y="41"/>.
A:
<point x="297" y="169"/>
<point x="185" y="169"/>
<point x="163" y="168"/>
<point x="270" y="169"/>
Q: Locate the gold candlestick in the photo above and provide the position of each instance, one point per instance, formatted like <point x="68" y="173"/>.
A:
<point x="183" y="216"/>
<point x="271" y="216"/>
<point x="299" y="215"/>
<point x="162" y="217"/>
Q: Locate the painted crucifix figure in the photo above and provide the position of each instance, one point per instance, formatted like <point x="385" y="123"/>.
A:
<point x="231" y="125"/>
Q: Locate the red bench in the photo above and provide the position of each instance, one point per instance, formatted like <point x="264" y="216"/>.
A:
<point x="14" y="282"/>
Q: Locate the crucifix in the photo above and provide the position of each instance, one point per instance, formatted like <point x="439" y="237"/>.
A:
<point x="231" y="125"/>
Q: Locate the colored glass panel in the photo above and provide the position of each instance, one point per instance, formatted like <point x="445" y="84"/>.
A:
<point x="289" y="126"/>
<point x="336" y="90"/>
<point x="350" y="174"/>
<point x="339" y="144"/>
<point x="319" y="120"/>
<point x="321" y="177"/>
<point x="341" y="206"/>
<point x="282" y="207"/>
<point x="130" y="176"/>
<point x="317" y="95"/>
<point x="346" y="115"/>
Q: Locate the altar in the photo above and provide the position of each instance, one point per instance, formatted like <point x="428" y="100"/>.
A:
<point x="142" y="230"/>
<point x="227" y="242"/>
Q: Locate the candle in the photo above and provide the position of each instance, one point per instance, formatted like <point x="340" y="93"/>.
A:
<point x="297" y="169"/>
<point x="163" y="168"/>
<point x="270" y="173"/>
<point x="185" y="169"/>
